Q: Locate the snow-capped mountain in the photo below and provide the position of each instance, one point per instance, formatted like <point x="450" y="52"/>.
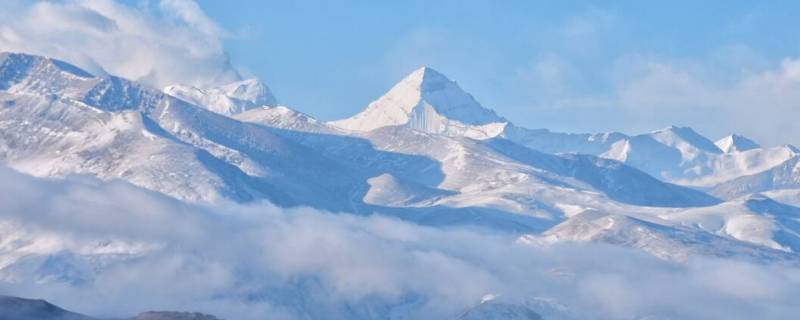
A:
<point x="228" y="99"/>
<point x="674" y="154"/>
<point x="66" y="122"/>
<point x="426" y="152"/>
<point x="59" y="120"/>
<point x="427" y="101"/>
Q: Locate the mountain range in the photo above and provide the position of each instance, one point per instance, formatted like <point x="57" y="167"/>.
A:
<point x="426" y="152"/>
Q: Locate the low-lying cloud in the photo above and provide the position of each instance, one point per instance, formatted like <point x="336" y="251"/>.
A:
<point x="112" y="249"/>
<point x="159" y="43"/>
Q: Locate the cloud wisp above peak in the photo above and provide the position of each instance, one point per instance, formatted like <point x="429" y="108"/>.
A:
<point x="171" y="42"/>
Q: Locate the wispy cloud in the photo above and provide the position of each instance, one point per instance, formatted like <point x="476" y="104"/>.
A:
<point x="171" y="42"/>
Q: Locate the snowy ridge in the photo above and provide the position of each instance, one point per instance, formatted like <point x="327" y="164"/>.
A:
<point x="736" y="143"/>
<point x="674" y="154"/>
<point x="228" y="99"/>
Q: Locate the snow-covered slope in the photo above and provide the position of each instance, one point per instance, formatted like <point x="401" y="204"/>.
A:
<point x="228" y="99"/>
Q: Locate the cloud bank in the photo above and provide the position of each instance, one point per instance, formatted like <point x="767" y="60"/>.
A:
<point x="159" y="43"/>
<point x="111" y="249"/>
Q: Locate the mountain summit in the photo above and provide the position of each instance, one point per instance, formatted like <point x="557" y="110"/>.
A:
<point x="736" y="143"/>
<point x="424" y="100"/>
<point x="229" y="99"/>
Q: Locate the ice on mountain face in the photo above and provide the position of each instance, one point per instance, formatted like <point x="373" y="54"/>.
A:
<point x="228" y="99"/>
<point x="426" y="100"/>
<point x="736" y="143"/>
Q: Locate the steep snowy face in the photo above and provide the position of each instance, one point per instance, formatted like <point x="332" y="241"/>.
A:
<point x="736" y="143"/>
<point x="228" y="99"/>
<point x="427" y="101"/>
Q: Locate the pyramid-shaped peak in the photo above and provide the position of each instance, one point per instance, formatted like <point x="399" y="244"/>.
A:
<point x="427" y="74"/>
<point x="736" y="143"/>
<point x="428" y="80"/>
<point x="425" y="100"/>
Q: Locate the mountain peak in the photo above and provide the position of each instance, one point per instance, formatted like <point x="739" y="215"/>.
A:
<point x="674" y="135"/>
<point x="15" y="67"/>
<point x="425" y="100"/>
<point x="736" y="143"/>
<point x="229" y="99"/>
<point x="426" y="78"/>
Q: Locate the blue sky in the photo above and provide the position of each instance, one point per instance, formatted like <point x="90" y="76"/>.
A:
<point x="631" y="66"/>
<point x="331" y="58"/>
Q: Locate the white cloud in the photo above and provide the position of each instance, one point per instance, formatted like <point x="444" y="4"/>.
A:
<point x="173" y="42"/>
<point x="761" y="104"/>
<point x="110" y="249"/>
